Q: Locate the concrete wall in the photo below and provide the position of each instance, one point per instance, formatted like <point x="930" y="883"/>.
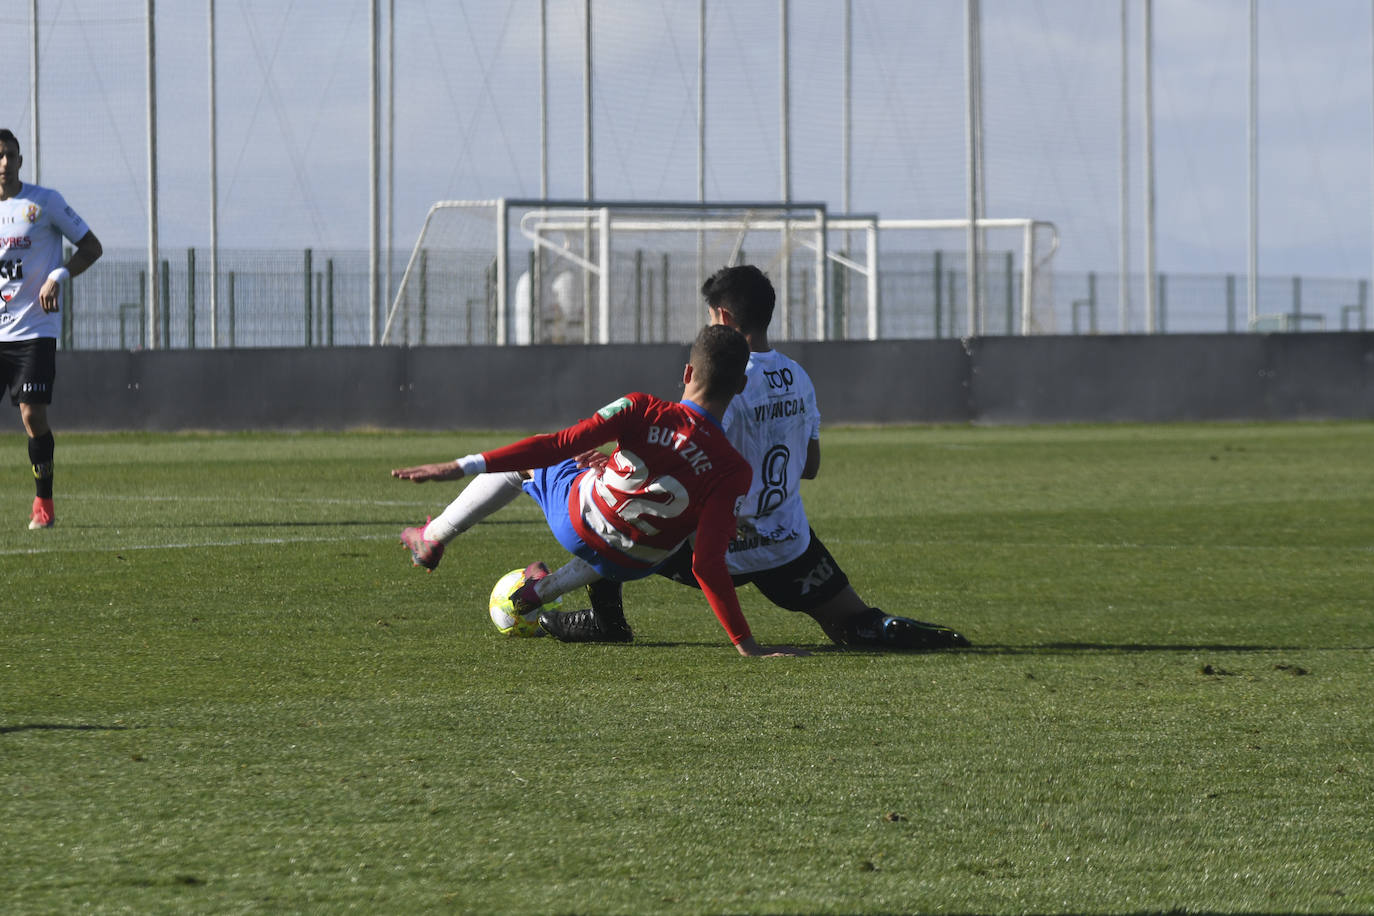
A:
<point x="984" y="380"/>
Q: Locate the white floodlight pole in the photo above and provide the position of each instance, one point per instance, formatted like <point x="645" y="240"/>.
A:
<point x="587" y="187"/>
<point x="33" y="94"/>
<point x="544" y="98"/>
<point x="536" y="298"/>
<point x="785" y="167"/>
<point x="214" y="188"/>
<point x="1123" y="280"/>
<point x="971" y="150"/>
<point x="390" y="146"/>
<point x="1252" y="141"/>
<point x="846" y="128"/>
<point x="587" y="99"/>
<point x="154" y="303"/>
<point x="846" y="113"/>
<point x="374" y="185"/>
<point x="1150" y="280"/>
<point x="701" y="136"/>
<point x="701" y="101"/>
<point x="980" y="184"/>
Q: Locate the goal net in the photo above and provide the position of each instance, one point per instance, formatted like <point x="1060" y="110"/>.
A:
<point x="542" y="271"/>
<point x="519" y="271"/>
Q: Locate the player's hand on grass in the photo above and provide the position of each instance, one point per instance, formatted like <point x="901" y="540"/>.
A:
<point x="751" y="649"/>
<point x="445" y="470"/>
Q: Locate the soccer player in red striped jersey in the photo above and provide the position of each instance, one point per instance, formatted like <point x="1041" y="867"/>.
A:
<point x="673" y="474"/>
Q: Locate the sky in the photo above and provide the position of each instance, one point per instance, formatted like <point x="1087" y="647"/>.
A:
<point x="293" y="117"/>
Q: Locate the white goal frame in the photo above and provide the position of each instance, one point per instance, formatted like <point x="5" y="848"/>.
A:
<point x="605" y="219"/>
<point x="807" y="225"/>
<point x="1031" y="265"/>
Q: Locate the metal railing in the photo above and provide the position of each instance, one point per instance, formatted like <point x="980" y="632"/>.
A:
<point x="310" y="298"/>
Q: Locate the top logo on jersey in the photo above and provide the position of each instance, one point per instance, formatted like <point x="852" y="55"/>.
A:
<point x="613" y="408"/>
<point x="778" y="378"/>
<point x="31" y="214"/>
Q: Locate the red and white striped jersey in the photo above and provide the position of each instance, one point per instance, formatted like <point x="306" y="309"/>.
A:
<point x="673" y="474"/>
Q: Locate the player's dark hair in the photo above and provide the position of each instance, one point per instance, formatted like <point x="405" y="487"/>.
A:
<point x="7" y="137"/>
<point x="720" y="356"/>
<point x="745" y="292"/>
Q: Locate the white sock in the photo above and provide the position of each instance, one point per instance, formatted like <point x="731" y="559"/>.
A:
<point x="574" y="574"/>
<point x="481" y="497"/>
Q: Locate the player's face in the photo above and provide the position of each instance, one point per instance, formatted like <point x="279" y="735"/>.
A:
<point x="10" y="160"/>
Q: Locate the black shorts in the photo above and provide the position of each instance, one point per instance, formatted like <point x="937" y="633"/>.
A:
<point x="28" y="368"/>
<point x="802" y="585"/>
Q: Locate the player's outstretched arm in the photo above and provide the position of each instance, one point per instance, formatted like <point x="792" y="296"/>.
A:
<point x="750" y="649"/>
<point x="446" y="470"/>
<point x="708" y="565"/>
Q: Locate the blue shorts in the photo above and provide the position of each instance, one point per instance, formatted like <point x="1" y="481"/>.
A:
<point x="551" y="487"/>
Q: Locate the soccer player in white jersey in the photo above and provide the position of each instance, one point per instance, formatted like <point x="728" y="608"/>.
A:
<point x="775" y="424"/>
<point x="33" y="222"/>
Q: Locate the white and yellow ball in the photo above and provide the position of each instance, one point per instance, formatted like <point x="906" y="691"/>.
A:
<point x="503" y="613"/>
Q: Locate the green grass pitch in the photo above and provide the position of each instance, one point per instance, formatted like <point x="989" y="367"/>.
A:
<point x="223" y="688"/>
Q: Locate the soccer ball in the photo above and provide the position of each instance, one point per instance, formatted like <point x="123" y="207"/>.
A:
<point x="503" y="614"/>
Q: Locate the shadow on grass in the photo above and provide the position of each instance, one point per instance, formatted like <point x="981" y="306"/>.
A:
<point x="1052" y="648"/>
<point x="59" y="727"/>
<point x="1179" y="911"/>
<point x="814" y="648"/>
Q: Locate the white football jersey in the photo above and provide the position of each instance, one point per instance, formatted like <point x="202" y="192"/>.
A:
<point x="32" y="226"/>
<point x="771" y="423"/>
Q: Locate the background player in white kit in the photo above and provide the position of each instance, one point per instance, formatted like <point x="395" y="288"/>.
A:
<point x="775" y="424"/>
<point x="33" y="222"/>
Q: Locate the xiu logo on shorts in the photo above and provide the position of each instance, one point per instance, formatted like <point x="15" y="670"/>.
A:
<point x="816" y="577"/>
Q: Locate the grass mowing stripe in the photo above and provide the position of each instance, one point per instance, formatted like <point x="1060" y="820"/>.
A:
<point x="86" y="497"/>
<point x="1163" y="712"/>
<point x="170" y="545"/>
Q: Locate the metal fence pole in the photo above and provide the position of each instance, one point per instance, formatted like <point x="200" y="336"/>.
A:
<point x="190" y="298"/>
<point x="309" y="311"/>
